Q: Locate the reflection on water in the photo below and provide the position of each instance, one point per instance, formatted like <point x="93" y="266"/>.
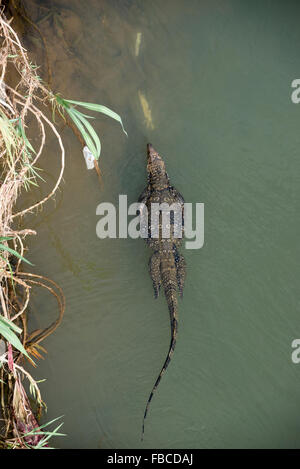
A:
<point x="208" y="84"/>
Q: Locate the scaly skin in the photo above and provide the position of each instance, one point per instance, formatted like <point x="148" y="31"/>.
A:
<point x="166" y="265"/>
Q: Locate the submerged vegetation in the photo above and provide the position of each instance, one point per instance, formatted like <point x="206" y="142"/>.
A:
<point x="24" y="103"/>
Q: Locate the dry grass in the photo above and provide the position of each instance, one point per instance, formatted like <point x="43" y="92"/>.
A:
<point x="21" y="102"/>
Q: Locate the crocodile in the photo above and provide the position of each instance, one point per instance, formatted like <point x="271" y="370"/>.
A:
<point x="166" y="265"/>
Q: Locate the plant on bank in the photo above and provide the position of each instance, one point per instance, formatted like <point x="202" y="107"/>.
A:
<point x="19" y="170"/>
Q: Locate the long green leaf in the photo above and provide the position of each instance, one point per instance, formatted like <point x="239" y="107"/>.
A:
<point x="90" y="129"/>
<point x="15" y="253"/>
<point x="99" y="108"/>
<point x="49" y="435"/>
<point x="11" y="337"/>
<point x="10" y="324"/>
<point x="48" y="423"/>
<point x="23" y="135"/>
<point x="84" y="133"/>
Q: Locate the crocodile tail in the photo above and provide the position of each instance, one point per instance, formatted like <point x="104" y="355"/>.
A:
<point x="167" y="361"/>
<point x="170" y="286"/>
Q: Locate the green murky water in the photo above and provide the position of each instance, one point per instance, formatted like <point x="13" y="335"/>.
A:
<point x="216" y="77"/>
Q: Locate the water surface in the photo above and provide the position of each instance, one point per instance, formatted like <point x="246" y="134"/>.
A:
<point x="208" y="83"/>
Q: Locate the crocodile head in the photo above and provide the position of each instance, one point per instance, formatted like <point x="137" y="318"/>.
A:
<point x="156" y="168"/>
